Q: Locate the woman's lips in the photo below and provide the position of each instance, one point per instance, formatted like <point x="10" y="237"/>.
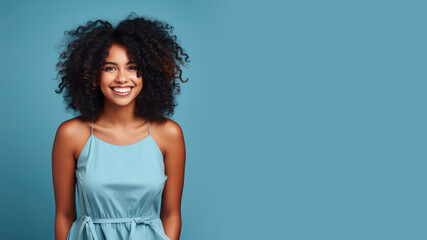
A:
<point x="122" y="93"/>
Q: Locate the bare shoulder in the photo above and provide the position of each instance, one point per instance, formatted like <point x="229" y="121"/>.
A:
<point x="168" y="128"/>
<point x="73" y="132"/>
<point x="72" y="127"/>
<point x="168" y="134"/>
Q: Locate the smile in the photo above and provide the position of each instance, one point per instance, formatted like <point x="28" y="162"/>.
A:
<point x="122" y="91"/>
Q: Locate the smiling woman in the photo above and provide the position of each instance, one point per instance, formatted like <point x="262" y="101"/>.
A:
<point x="123" y="154"/>
<point x="118" y="77"/>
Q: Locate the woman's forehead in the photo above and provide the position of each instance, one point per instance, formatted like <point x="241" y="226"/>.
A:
<point x="117" y="53"/>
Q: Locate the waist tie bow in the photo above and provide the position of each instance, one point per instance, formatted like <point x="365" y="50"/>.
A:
<point x="89" y="222"/>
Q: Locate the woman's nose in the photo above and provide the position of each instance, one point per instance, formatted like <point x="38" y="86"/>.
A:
<point x="121" y="76"/>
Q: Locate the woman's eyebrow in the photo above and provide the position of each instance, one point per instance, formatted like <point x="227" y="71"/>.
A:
<point x="113" y="63"/>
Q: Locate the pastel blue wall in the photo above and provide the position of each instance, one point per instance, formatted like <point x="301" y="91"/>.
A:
<point x="302" y="119"/>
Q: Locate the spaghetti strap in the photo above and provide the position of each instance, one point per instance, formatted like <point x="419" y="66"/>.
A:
<point x="148" y="127"/>
<point x="91" y="129"/>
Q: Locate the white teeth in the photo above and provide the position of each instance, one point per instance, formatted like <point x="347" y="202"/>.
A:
<point x="122" y="89"/>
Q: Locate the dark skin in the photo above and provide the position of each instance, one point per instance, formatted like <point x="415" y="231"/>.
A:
<point x="118" y="125"/>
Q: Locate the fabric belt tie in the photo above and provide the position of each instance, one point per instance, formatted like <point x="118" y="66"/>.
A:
<point x="88" y="222"/>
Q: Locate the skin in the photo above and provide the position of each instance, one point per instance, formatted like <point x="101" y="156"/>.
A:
<point x="117" y="124"/>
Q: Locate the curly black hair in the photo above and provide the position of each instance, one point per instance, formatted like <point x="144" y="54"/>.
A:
<point x="150" y="45"/>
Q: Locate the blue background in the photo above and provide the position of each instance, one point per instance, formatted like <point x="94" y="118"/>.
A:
<point x="302" y="119"/>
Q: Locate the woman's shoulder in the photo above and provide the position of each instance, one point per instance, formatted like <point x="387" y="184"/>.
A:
<point x="73" y="125"/>
<point x="74" y="130"/>
<point x="74" y="133"/>
<point x="167" y="127"/>
<point x="167" y="133"/>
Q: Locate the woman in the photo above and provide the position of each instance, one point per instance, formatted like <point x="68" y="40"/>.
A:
<point x="126" y="158"/>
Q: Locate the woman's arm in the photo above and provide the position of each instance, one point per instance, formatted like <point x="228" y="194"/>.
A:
<point x="174" y="169"/>
<point x="63" y="174"/>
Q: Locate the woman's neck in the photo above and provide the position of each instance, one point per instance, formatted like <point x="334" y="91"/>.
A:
<point x="119" y="116"/>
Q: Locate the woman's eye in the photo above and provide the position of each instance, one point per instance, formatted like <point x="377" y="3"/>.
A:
<point x="132" y="68"/>
<point x="109" y="68"/>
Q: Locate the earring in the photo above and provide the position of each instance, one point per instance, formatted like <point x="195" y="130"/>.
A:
<point x="94" y="85"/>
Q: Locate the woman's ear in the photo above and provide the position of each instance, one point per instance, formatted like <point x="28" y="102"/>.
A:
<point x="94" y="86"/>
<point x="95" y="82"/>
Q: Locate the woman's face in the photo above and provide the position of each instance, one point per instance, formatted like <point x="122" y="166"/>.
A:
<point x="118" y="78"/>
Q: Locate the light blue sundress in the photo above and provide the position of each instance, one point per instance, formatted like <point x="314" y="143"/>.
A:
<point x="119" y="191"/>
